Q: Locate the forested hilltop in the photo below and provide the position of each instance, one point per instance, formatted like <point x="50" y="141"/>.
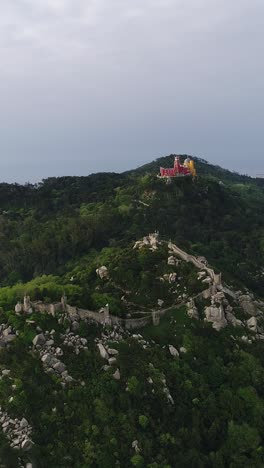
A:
<point x="46" y="229"/>
<point x="119" y="348"/>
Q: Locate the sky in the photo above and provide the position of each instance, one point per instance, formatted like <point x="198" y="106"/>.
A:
<point x="107" y="85"/>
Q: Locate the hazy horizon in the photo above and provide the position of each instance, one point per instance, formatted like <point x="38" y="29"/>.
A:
<point x="43" y="171"/>
<point x="92" y="86"/>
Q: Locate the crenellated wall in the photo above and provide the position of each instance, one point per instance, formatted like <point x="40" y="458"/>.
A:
<point x="104" y="317"/>
<point x="216" y="278"/>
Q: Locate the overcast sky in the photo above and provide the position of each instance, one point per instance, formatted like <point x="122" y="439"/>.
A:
<point x="94" y="85"/>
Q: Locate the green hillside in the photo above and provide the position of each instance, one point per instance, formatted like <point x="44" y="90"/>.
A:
<point x="48" y="228"/>
<point x="83" y="384"/>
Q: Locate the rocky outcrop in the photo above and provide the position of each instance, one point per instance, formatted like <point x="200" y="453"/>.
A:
<point x="102" y="351"/>
<point x="252" y="324"/>
<point x="17" y="431"/>
<point x="135" y="446"/>
<point x="75" y="342"/>
<point x="248" y="305"/>
<point x="39" y="340"/>
<point x="50" y="354"/>
<point x="170" y="277"/>
<point x="173" y="351"/>
<point x="151" y="241"/>
<point x="102" y="272"/>
<point x="215" y="315"/>
<point x="7" y="335"/>
<point x="117" y="375"/>
<point x="192" y="310"/>
<point x="173" y="261"/>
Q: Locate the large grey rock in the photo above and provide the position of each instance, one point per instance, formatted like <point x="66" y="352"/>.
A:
<point x="7" y="331"/>
<point x="232" y="319"/>
<point x="103" y="352"/>
<point x="59" y="367"/>
<point x="112" y="361"/>
<point x="18" y="308"/>
<point x="59" y="352"/>
<point x="46" y="359"/>
<point x="75" y="326"/>
<point x="69" y="379"/>
<point x="8" y="339"/>
<point x="112" y="352"/>
<point x="23" y="423"/>
<point x="247" y="304"/>
<point x="252" y="324"/>
<point x="26" y="445"/>
<point x="173" y="351"/>
<point x="39" y="340"/>
<point x="102" y="272"/>
<point x="53" y="361"/>
<point x="216" y="316"/>
<point x="117" y="375"/>
<point x="49" y="343"/>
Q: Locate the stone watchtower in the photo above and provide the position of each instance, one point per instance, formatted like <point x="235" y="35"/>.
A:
<point x="27" y="308"/>
<point x="107" y="318"/>
<point x="64" y="303"/>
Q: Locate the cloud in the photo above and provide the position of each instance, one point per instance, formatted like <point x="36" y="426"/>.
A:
<point x="42" y="31"/>
<point x="94" y="76"/>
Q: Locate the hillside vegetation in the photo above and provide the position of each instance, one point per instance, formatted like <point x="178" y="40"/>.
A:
<point x="186" y="391"/>
<point x="48" y="228"/>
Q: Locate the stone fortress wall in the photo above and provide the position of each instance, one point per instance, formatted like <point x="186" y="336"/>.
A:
<point x="103" y="316"/>
<point x="74" y="313"/>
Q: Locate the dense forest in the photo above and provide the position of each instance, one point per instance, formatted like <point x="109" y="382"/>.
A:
<point x="46" y="229"/>
<point x="200" y="406"/>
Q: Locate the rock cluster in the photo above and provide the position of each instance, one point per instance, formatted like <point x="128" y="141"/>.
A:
<point x="170" y="277"/>
<point x="219" y="313"/>
<point x="114" y="335"/>
<point x="249" y="305"/>
<point x="108" y="353"/>
<point x="135" y="446"/>
<point x="201" y="275"/>
<point x="17" y="431"/>
<point x="7" y="335"/>
<point x="44" y="344"/>
<point x="173" y="261"/>
<point x="141" y="340"/>
<point x="75" y="342"/>
<point x="192" y="310"/>
<point x="166" y="391"/>
<point x="151" y="241"/>
<point x="215" y="314"/>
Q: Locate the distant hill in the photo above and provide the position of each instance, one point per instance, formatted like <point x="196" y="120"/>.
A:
<point x="203" y="168"/>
